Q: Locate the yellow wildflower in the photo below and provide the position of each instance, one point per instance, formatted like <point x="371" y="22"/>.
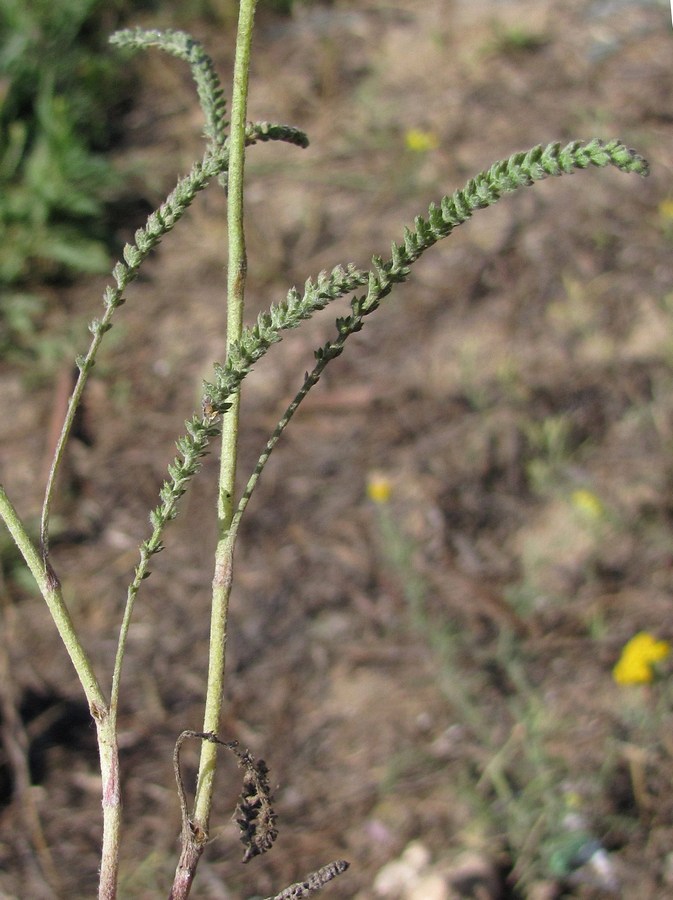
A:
<point x="587" y="503"/>
<point x="419" y="141"/>
<point x="379" y="488"/>
<point x="666" y="209"/>
<point x="638" y="656"/>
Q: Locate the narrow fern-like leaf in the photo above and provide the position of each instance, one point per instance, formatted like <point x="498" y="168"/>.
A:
<point x="208" y="86"/>
<point x="270" y="131"/>
<point x="521" y="169"/>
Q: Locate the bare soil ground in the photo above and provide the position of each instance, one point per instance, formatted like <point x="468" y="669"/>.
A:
<point x="436" y="668"/>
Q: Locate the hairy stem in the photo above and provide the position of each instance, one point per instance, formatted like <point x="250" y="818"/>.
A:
<point x="108" y="752"/>
<point x="237" y="266"/>
<point x="98" y="706"/>
<point x="201" y="429"/>
<point x="50" y="589"/>
<point x="237" y="269"/>
<point x="310" y="380"/>
<point x="158" y="224"/>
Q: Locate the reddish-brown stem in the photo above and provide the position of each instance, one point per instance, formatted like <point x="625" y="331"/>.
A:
<point x="112" y="804"/>
<point x="192" y="848"/>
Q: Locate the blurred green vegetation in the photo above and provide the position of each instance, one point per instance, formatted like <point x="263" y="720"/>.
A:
<point x="59" y="90"/>
<point x="225" y="11"/>
<point x="62" y="93"/>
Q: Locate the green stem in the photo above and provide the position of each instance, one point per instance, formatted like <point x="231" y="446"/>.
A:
<point x="237" y="268"/>
<point x="158" y="223"/>
<point x="73" y="405"/>
<point x="310" y="380"/>
<point x="108" y="752"/>
<point x="50" y="589"/>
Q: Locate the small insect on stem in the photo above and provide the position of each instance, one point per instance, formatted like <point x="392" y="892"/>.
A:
<point x="209" y="411"/>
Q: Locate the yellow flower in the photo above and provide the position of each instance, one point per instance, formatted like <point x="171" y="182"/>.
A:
<point x="379" y="488"/>
<point x="638" y="656"/>
<point x="419" y="141"/>
<point x="666" y="209"/>
<point x="587" y="503"/>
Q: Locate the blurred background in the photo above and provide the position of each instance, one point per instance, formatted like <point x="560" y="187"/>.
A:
<point x="442" y="572"/>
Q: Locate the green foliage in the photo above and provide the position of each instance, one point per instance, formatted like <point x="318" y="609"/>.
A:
<point x="220" y="14"/>
<point x="550" y="442"/>
<point x="224" y="12"/>
<point x="184" y="47"/>
<point x="56" y="90"/>
<point x="523" y="795"/>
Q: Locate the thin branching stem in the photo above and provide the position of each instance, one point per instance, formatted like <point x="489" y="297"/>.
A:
<point x="194" y="841"/>
<point x="214" y="163"/>
<point x="310" y="380"/>
<point x="124" y="273"/>
<point x="225" y="159"/>
<point x="50" y="589"/>
<point x="521" y="169"/>
<point x="236" y="277"/>
<point x="98" y="706"/>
